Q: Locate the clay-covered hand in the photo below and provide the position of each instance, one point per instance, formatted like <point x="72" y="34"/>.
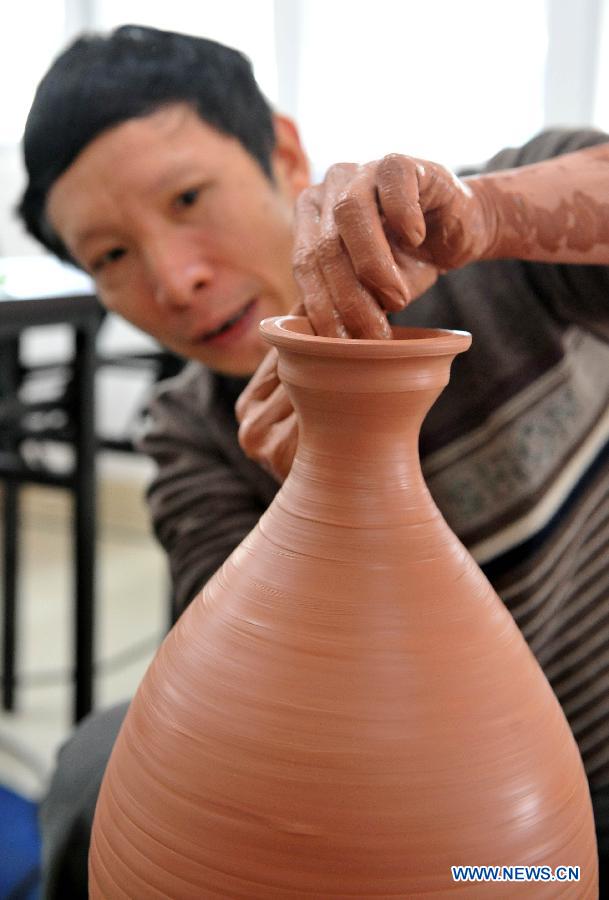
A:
<point x="268" y="431"/>
<point x="371" y="238"/>
<point x="368" y="240"/>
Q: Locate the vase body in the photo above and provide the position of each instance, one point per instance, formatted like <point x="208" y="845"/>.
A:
<point x="347" y="709"/>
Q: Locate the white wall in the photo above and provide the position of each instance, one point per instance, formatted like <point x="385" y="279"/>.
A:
<point x="13" y="240"/>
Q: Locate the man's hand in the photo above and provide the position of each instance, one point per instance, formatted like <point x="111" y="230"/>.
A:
<point x="268" y="431"/>
<point x="371" y="238"/>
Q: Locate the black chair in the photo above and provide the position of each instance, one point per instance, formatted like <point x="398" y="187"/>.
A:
<point x="28" y="421"/>
<point x="52" y="404"/>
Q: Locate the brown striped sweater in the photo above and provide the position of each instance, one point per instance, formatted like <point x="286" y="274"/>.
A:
<point x="515" y="452"/>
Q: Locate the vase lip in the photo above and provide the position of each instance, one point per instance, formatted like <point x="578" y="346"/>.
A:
<point x="295" y="333"/>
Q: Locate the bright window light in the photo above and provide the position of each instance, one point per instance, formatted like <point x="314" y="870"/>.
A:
<point x="32" y="34"/>
<point x="453" y="82"/>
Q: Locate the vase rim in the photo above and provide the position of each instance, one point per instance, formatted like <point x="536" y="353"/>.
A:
<point x="295" y="333"/>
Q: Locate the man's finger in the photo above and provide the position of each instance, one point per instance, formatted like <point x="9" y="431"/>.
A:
<point x="399" y="197"/>
<point x="281" y="455"/>
<point x="269" y="434"/>
<point x="259" y="416"/>
<point x="358" y="221"/>
<point x="261" y="385"/>
<point x="358" y="310"/>
<point x="418" y="275"/>
<point x="309" y="278"/>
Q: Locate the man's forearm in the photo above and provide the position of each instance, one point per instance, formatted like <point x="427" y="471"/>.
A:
<point x="555" y="211"/>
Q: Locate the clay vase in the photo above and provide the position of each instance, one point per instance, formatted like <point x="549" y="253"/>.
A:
<point x="347" y="709"/>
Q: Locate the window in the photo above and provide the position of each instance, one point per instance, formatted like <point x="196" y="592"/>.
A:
<point x="447" y="81"/>
<point x="32" y="34"/>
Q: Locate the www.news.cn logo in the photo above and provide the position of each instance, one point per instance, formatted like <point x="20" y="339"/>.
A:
<point x="515" y="873"/>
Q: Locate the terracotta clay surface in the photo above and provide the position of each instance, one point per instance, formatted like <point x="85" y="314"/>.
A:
<point x="347" y="709"/>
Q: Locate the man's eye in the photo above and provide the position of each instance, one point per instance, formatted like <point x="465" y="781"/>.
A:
<point x="188" y="198"/>
<point x="110" y="256"/>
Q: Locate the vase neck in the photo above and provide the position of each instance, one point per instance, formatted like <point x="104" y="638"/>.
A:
<point x="360" y="425"/>
<point x="365" y="409"/>
<point x="361" y="402"/>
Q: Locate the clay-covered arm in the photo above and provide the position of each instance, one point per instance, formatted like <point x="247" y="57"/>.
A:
<point x="372" y="238"/>
<point x="556" y="211"/>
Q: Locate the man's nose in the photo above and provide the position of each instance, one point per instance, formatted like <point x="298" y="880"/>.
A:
<point x="179" y="273"/>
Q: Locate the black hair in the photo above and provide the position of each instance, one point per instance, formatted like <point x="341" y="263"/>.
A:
<point x="100" y="81"/>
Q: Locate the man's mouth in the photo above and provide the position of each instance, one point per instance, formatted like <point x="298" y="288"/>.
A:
<point x="230" y="323"/>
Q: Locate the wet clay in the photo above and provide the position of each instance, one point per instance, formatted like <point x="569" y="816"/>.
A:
<point x="347" y="709"/>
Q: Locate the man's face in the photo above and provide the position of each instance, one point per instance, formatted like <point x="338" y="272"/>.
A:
<point x="183" y="233"/>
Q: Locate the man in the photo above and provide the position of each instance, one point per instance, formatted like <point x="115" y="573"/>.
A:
<point x="155" y="163"/>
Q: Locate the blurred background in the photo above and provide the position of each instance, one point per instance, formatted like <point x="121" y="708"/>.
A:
<point x="449" y="80"/>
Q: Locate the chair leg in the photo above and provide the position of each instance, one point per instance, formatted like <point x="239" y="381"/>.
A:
<point x="9" y="627"/>
<point x="172" y="608"/>
<point x="84" y="524"/>
<point x="10" y="376"/>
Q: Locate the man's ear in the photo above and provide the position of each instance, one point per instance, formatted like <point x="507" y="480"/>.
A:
<point x="290" y="164"/>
